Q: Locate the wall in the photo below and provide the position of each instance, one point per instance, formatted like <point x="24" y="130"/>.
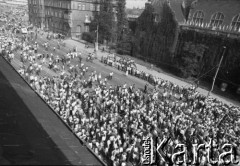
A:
<point x="78" y="16"/>
<point x="57" y="17"/>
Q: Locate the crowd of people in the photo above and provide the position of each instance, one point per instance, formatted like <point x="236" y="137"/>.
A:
<point x="128" y="66"/>
<point x="113" y="121"/>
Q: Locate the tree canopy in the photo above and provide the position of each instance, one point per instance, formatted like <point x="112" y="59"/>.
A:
<point x="104" y="20"/>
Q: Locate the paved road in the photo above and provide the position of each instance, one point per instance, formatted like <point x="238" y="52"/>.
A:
<point x="81" y="46"/>
<point x="119" y="77"/>
<point x="30" y="133"/>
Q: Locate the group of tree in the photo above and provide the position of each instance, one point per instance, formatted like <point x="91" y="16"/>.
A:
<point x="156" y="34"/>
<point x="110" y="22"/>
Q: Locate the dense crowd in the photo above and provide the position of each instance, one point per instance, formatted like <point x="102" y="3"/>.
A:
<point x="113" y="121"/>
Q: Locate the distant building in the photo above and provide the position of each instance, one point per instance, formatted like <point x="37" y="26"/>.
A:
<point x="69" y="17"/>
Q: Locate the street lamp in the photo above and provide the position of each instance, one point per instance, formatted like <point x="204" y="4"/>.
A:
<point x="96" y="43"/>
<point x="224" y="51"/>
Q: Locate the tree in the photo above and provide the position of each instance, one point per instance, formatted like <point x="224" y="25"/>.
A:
<point x="104" y="20"/>
<point x="121" y="19"/>
<point x="191" y="59"/>
<point x="166" y="31"/>
<point x="156" y="39"/>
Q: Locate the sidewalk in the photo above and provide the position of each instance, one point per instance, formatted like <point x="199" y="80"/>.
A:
<point x="81" y="47"/>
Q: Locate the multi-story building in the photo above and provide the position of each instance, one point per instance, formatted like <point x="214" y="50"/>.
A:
<point x="82" y="14"/>
<point x="36" y="12"/>
<point x="58" y="16"/>
<point x="69" y="17"/>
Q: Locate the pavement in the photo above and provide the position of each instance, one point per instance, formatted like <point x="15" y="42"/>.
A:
<point x="81" y="46"/>
<point x="30" y="132"/>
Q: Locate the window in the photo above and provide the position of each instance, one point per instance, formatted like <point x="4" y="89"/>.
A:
<point x="98" y="8"/>
<point x="217" y="19"/>
<point x="236" y="22"/>
<point x="198" y="17"/>
<point x="91" y="7"/>
<point x="79" y="6"/>
<point x="83" y="7"/>
<point x="86" y="28"/>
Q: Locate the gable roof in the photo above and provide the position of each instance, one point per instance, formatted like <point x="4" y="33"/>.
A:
<point x="174" y="4"/>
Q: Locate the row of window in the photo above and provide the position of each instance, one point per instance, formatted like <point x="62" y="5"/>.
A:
<point x="91" y="7"/>
<point x="67" y="4"/>
<point x="58" y="25"/>
<point x="216" y="19"/>
<point x="59" y="4"/>
<point x="79" y="29"/>
<point x="33" y="2"/>
<point x="34" y="10"/>
<point x="59" y="14"/>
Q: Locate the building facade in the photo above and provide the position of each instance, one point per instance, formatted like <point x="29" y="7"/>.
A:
<point x="36" y="12"/>
<point x="82" y="14"/>
<point x="69" y="17"/>
<point x="57" y="16"/>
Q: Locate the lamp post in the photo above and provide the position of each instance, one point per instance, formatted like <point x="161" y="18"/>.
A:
<point x="96" y="43"/>
<point x="224" y="50"/>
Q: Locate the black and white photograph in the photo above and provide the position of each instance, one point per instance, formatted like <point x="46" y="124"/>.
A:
<point x="120" y="82"/>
